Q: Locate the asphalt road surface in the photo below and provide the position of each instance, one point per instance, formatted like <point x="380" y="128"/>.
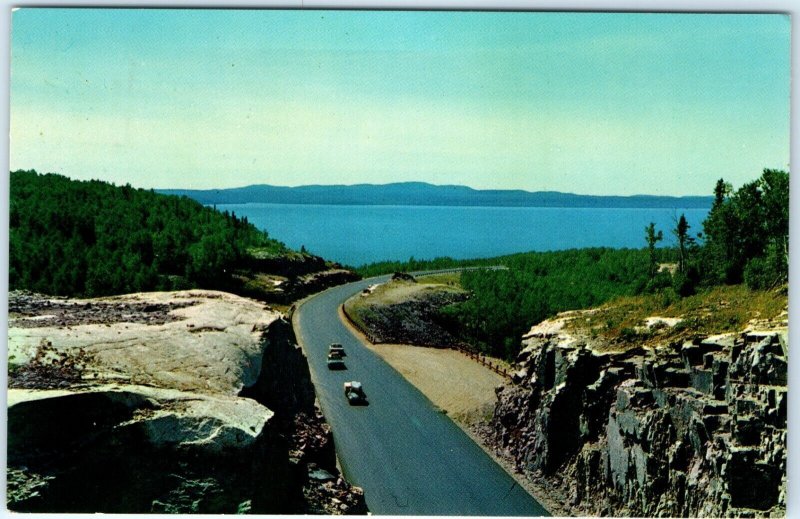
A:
<point x="409" y="458"/>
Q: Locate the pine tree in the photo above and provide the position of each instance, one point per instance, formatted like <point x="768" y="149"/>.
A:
<point x="652" y="238"/>
<point x="681" y="232"/>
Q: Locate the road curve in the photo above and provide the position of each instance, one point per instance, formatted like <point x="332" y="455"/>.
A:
<point x="409" y="458"/>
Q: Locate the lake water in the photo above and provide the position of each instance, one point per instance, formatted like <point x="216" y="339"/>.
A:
<point x="355" y="235"/>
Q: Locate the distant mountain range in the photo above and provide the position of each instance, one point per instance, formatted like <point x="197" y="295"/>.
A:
<point x="421" y="193"/>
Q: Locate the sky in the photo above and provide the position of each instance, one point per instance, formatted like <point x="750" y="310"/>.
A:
<point x="590" y="103"/>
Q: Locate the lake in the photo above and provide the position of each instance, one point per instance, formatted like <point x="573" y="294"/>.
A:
<point x="355" y="235"/>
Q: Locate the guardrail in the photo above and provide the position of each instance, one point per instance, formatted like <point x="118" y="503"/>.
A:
<point x="421" y="273"/>
<point x="483" y="359"/>
<point x="371" y="338"/>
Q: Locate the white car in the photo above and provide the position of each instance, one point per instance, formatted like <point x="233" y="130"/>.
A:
<point x="354" y="393"/>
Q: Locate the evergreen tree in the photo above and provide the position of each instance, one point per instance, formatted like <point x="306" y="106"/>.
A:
<point x="681" y="233"/>
<point x="747" y="232"/>
<point x="652" y="238"/>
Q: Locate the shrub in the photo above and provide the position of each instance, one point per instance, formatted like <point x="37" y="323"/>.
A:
<point x="766" y="272"/>
<point x="659" y="282"/>
<point x="682" y="284"/>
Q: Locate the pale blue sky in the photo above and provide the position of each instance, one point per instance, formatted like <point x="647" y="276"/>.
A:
<point x="595" y="103"/>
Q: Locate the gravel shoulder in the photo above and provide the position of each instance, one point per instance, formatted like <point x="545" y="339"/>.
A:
<point x="456" y="384"/>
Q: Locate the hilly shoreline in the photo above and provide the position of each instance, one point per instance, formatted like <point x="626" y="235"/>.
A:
<point x="424" y="194"/>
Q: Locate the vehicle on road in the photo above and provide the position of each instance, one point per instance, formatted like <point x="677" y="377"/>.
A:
<point x="335" y="360"/>
<point x="354" y="393"/>
<point x="336" y="347"/>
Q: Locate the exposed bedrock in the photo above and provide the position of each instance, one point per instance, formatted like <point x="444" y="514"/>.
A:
<point x="290" y="266"/>
<point x="691" y="429"/>
<point x="301" y="286"/>
<point x="209" y="411"/>
<point x="414" y="321"/>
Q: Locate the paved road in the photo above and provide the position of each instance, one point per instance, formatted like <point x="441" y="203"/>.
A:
<point x="409" y="458"/>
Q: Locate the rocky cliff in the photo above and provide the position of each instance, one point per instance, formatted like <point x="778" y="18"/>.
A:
<point x="403" y="311"/>
<point x="286" y="278"/>
<point x="185" y="402"/>
<point x="688" y="428"/>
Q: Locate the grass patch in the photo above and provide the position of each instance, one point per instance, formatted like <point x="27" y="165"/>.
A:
<point x="400" y="291"/>
<point x="450" y="279"/>
<point x="721" y="309"/>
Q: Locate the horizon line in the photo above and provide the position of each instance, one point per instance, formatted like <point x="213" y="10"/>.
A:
<point x="422" y="182"/>
<point x="370" y="184"/>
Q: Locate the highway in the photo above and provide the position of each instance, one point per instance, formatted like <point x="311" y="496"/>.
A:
<point x="409" y="458"/>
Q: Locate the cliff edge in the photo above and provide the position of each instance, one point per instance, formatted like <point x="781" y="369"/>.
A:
<point x="693" y="427"/>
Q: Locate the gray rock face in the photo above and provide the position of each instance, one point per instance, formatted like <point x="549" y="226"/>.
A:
<point x="696" y="429"/>
<point x="207" y="407"/>
<point x="301" y="286"/>
<point x="414" y="321"/>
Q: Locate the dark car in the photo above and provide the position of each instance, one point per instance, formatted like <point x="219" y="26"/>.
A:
<point x="335" y="360"/>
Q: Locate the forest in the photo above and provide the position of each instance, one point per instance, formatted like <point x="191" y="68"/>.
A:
<point x="92" y="238"/>
<point x="744" y="239"/>
<point x="506" y="303"/>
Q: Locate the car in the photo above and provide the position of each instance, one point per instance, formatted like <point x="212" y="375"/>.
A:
<point x="335" y="360"/>
<point x="336" y="347"/>
<point x="354" y="393"/>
